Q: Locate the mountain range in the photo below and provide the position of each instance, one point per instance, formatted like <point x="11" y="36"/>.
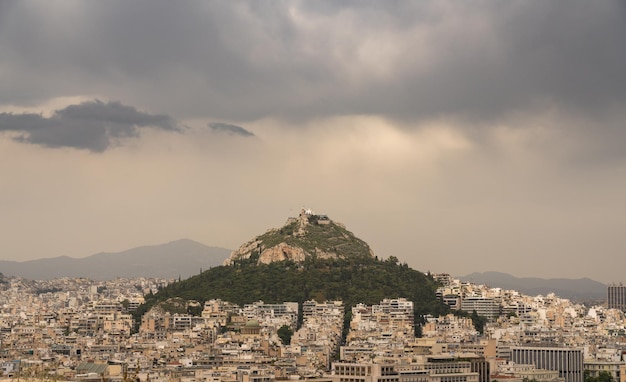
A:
<point x="181" y="258"/>
<point x="583" y="289"/>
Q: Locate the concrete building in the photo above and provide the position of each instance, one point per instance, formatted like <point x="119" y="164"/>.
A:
<point x="439" y="369"/>
<point x="594" y="368"/>
<point x="484" y="306"/>
<point x="567" y="361"/>
<point x="363" y="372"/>
<point x="616" y="296"/>
<point x="511" y="371"/>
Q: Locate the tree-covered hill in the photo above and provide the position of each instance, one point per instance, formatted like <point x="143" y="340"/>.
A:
<point x="352" y="280"/>
<point x="310" y="258"/>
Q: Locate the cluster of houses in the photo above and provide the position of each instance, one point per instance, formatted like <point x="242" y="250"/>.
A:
<point x="83" y="330"/>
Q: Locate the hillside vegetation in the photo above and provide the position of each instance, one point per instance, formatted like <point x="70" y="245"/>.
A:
<point x="300" y="238"/>
<point x="309" y="258"/>
<point x="330" y="237"/>
<point x="352" y="280"/>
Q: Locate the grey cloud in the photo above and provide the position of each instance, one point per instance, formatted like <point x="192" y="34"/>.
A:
<point x="230" y="129"/>
<point x="92" y="125"/>
<point x="250" y="60"/>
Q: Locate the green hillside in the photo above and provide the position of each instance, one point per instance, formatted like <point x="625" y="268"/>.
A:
<point x="352" y="280"/>
<point x="310" y="257"/>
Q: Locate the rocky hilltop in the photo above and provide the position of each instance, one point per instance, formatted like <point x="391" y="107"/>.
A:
<point x="308" y="235"/>
<point x="310" y="257"/>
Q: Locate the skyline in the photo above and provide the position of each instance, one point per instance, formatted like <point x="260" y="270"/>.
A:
<point x="456" y="137"/>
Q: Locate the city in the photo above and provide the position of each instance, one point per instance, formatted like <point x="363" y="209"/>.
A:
<point x="81" y="330"/>
<point x="150" y="149"/>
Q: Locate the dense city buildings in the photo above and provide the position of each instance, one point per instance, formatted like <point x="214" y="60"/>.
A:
<point x="83" y="330"/>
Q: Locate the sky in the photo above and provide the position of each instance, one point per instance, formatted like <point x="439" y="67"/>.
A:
<point x="457" y="136"/>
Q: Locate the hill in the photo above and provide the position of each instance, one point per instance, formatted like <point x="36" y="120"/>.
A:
<point x="583" y="289"/>
<point x="348" y="280"/>
<point x="307" y="260"/>
<point x="178" y="258"/>
<point x="308" y="235"/>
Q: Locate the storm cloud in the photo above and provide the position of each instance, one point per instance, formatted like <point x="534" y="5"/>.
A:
<point x="93" y="125"/>
<point x="298" y="60"/>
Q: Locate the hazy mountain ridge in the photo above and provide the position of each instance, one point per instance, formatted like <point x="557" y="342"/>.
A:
<point x="574" y="289"/>
<point x="182" y="258"/>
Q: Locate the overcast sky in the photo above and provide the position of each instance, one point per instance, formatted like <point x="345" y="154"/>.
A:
<point x="456" y="136"/>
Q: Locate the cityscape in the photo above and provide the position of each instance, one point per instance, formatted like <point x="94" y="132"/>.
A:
<point x="449" y="175"/>
<point x="76" y="329"/>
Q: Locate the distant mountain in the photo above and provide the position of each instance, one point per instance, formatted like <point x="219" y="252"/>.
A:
<point x="583" y="289"/>
<point x="178" y="258"/>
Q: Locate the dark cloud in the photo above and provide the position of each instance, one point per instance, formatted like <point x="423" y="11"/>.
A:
<point x="230" y="129"/>
<point x="250" y="60"/>
<point x="92" y="125"/>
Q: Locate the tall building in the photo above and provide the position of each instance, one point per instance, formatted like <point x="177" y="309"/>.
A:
<point x="567" y="361"/>
<point x="484" y="306"/>
<point x="616" y="296"/>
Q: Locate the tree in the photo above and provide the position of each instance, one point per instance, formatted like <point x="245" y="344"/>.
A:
<point x="285" y="333"/>
<point x="603" y="376"/>
<point x="478" y="321"/>
<point x="392" y="260"/>
<point x="125" y="304"/>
